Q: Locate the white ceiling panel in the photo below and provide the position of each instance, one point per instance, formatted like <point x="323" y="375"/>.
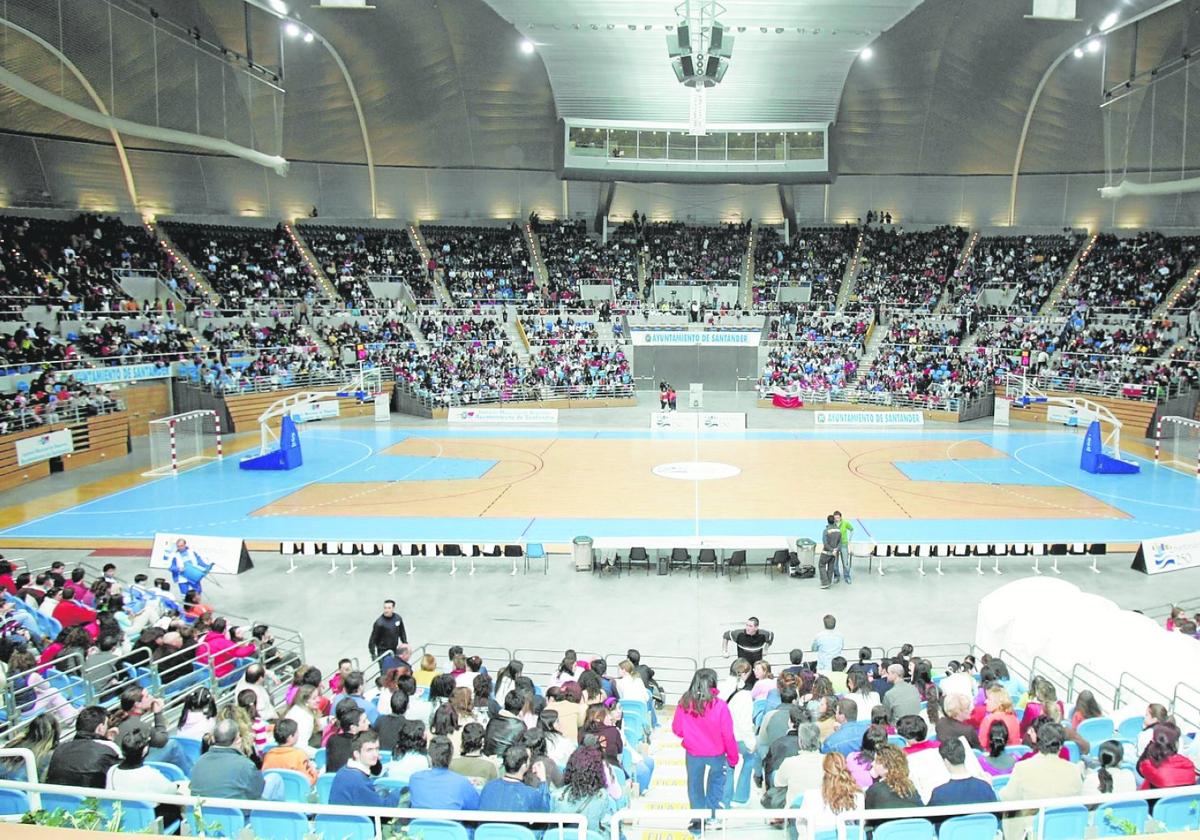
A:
<point x="604" y="63"/>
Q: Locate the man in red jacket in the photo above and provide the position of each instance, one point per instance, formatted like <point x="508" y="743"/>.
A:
<point x="68" y="613"/>
<point x="222" y="651"/>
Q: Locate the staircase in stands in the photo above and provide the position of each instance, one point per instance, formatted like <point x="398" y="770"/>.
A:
<point x="746" y="286"/>
<point x="1189" y="279"/>
<point x="668" y="786"/>
<point x="323" y="283"/>
<point x="1068" y="276"/>
<point x="945" y="301"/>
<point x="439" y="286"/>
<point x="541" y="276"/>
<point x="853" y="267"/>
<point x="183" y="262"/>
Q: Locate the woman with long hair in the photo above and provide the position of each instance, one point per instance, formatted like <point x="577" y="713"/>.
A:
<point x="859" y="689"/>
<point x="739" y="697"/>
<point x="1086" y="708"/>
<point x="305" y="710"/>
<point x="199" y="714"/>
<point x="764" y="680"/>
<point x="629" y="685"/>
<point x="703" y="722"/>
<point x="506" y="677"/>
<point x="995" y="760"/>
<point x="839" y="794"/>
<point x="40" y="737"/>
<point x="558" y="746"/>
<point x="893" y="788"/>
<point x="1109" y="776"/>
<point x="589" y="788"/>
<point x="445" y="722"/>
<point x="1156" y="713"/>
<point x="1042" y="697"/>
<point x="1000" y="708"/>
<point x="483" y="705"/>
<point x="591" y="688"/>
<point x="387" y="687"/>
<point x="922" y="676"/>
<point x="535" y="741"/>
<point x="933" y="704"/>
<point x="567" y="669"/>
<point x="1161" y="765"/>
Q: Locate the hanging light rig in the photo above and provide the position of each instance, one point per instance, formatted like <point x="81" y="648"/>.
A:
<point x="700" y="50"/>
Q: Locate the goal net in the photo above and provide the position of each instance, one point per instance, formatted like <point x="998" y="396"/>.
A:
<point x="1177" y="444"/>
<point x="183" y="440"/>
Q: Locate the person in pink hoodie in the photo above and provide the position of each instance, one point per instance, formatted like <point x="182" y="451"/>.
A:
<point x="703" y="722"/>
<point x="221" y="650"/>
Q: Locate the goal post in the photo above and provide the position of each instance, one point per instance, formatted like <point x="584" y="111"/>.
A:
<point x="184" y="440"/>
<point x="1177" y="443"/>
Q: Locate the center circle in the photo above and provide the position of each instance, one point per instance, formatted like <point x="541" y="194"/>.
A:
<point x="696" y="470"/>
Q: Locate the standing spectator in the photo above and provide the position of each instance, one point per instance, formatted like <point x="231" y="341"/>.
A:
<point x="439" y="786"/>
<point x="831" y="545"/>
<point x="224" y="772"/>
<point x="752" y="643"/>
<point x="741" y="710"/>
<point x="387" y="632"/>
<point x="703" y="722"/>
<point x="220" y="650"/>
<point x="844" y="551"/>
<point x="1042" y="776"/>
<point x="827" y="645"/>
<point x="85" y="759"/>
<point x="352" y="784"/>
<point x="510" y="793"/>
<point x="902" y="698"/>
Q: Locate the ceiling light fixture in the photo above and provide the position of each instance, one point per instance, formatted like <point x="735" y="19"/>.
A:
<point x="866" y="53"/>
<point x="1110" y="20"/>
<point x="527" y="47"/>
<point x="292" y="29"/>
<point x="309" y="37"/>
<point x="1093" y="46"/>
<point x="279" y="6"/>
<point x="1078" y="52"/>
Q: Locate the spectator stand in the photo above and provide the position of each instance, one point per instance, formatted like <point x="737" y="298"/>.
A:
<point x="1012" y="274"/>
<point x="364" y="261"/>
<point x="1134" y="273"/>
<point x="808" y="268"/>
<point x="907" y="269"/>
<point x="482" y="263"/>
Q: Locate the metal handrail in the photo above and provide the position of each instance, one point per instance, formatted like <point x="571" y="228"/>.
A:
<point x="75" y="416"/>
<point x="1010" y="660"/>
<point x="1155" y="695"/>
<point x="1193" y="704"/>
<point x="1090" y="679"/>
<point x="1060" y="679"/>
<point x="527" y="393"/>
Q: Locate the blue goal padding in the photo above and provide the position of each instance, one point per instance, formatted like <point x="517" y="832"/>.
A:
<point x="287" y="457"/>
<point x="1093" y="460"/>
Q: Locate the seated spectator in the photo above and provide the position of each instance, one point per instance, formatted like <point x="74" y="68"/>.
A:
<point x="1156" y="713"/>
<point x="221" y="650"/>
<point x="440" y="787"/>
<point x="352" y="689"/>
<point x="1086" y="708"/>
<point x="426" y="670"/>
<point x="892" y="788"/>
<point x="287" y="755"/>
<point x="1000" y="708"/>
<point x="198" y="716"/>
<point x="471" y="762"/>
<point x="859" y="763"/>
<point x="1042" y="776"/>
<point x="996" y="759"/>
<point x="350" y="721"/>
<point x="388" y="726"/>
<point x="1109" y="776"/>
<point x="901" y="697"/>
<point x="40" y="738"/>
<point x="410" y="754"/>
<point x="304" y="711"/>
<point x="850" y="730"/>
<point x="510" y="793"/>
<point x="953" y="724"/>
<point x="589" y="788"/>
<point x="224" y="772"/>
<point x="962" y="788"/>
<point x="838" y="794"/>
<point x="506" y="728"/>
<point x="132" y="775"/>
<point x="803" y="771"/>
<point x="1161" y="765"/>
<point x="255" y="679"/>
<point x="352" y="784"/>
<point x="84" y="761"/>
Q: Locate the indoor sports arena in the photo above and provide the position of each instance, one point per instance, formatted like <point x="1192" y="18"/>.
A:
<point x="515" y="420"/>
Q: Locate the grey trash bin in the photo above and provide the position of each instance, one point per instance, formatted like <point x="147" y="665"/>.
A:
<point x="806" y="552"/>
<point x="583" y="554"/>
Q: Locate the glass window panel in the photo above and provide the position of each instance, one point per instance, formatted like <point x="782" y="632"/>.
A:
<point x="805" y="145"/>
<point x="681" y="146"/>
<point x="652" y="145"/>
<point x="770" y="145"/>
<point x="587" y="142"/>
<point x="741" y="145"/>
<point x="622" y="143"/>
<point x="712" y="146"/>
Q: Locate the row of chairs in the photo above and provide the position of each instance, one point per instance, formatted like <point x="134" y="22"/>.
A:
<point x="681" y="558"/>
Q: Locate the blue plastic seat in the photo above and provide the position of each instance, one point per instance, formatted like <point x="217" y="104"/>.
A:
<point x="136" y="817"/>
<point x="1096" y="730"/>
<point x="1017" y="750"/>
<point x="969" y="827"/>
<point x="186" y="683"/>
<point x="913" y="829"/>
<point x="1066" y="823"/>
<point x="295" y="784"/>
<point x="190" y="746"/>
<point x="173" y="773"/>
<point x="1107" y="814"/>
<point x="344" y="827"/>
<point x="897" y="741"/>
<point x="1178" y="813"/>
<point x="218" y="821"/>
<point x="1130" y="728"/>
<point x="1072" y="751"/>
<point x="279" y="825"/>
<point x="13" y="802"/>
<point x="999" y="782"/>
<point x="319" y="759"/>
<point x="503" y="831"/>
<point x="65" y="801"/>
<point x="853" y="832"/>
<point x="324" y="784"/>
<point x="437" y="830"/>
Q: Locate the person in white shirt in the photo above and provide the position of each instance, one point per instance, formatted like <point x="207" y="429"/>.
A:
<point x="133" y="776"/>
<point x="1109" y="776"/>
<point x="198" y="716"/>
<point x="733" y="691"/>
<point x="957" y="681"/>
<point x="254" y="679"/>
<point x="305" y="711"/>
<point x="858" y="689"/>
<point x="629" y="685"/>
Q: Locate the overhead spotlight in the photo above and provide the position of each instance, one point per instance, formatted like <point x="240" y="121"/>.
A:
<point x="309" y="37"/>
<point x="1078" y="52"/>
<point x="866" y="53"/>
<point x="762" y="29"/>
<point x="527" y="47"/>
<point x="1093" y="46"/>
<point x="1110" y="20"/>
<point x="778" y="30"/>
<point x="292" y="29"/>
<point x="279" y="6"/>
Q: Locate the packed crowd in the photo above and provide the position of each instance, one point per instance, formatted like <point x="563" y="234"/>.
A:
<point x="256" y="336"/>
<point x="816" y="256"/>
<point x="1131" y="273"/>
<point x="51" y="397"/>
<point x="935" y="331"/>
<point x="482" y="263"/>
<point x="572" y="256"/>
<point x="558" y="330"/>
<point x="908" y="269"/>
<point x="452" y="329"/>
<point x="1028" y="267"/>
<point x="365" y="340"/>
<point x="814" y="351"/>
<point x="245" y="265"/>
<point x="125" y="341"/>
<point x="926" y="373"/>
<point x="348" y="257"/>
<point x="675" y="251"/>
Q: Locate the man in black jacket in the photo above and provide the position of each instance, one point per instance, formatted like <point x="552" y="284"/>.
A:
<point x="387" y="632"/>
<point x="506" y="728"/>
<point x="84" y="760"/>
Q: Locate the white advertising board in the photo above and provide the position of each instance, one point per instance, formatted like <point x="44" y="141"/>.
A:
<point x="465" y="414"/>
<point x="1168" y="554"/>
<point x="224" y="553"/>
<point x="715" y="421"/>
<point x="383" y="408"/>
<point x="316" y="410"/>
<point x="868" y="418"/>
<point x="30" y="450"/>
<point x="1069" y="415"/>
<point x="1000" y="416"/>
<point x="681" y="337"/>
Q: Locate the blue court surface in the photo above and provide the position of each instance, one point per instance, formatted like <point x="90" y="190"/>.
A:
<point x="221" y="500"/>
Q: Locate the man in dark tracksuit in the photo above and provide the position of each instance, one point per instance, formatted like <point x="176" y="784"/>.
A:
<point x="387" y="632"/>
<point x="831" y="544"/>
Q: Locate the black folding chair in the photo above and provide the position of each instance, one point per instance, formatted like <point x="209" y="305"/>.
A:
<point x="737" y="562"/>
<point x="708" y="559"/>
<point x="637" y="557"/>
<point x="680" y="558"/>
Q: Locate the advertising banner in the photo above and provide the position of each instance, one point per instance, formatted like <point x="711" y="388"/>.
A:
<point x="1168" y="554"/>
<point x="42" y="447"/>
<point x="682" y="337"/>
<point x="869" y="418"/>
<point x="464" y="414"/>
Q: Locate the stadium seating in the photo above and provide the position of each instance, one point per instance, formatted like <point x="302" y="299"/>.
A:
<point x="815" y="256"/>
<point x="482" y="263"/>
<point x="572" y="256"/>
<point x="349" y="256"/>
<point x="907" y="269"/>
